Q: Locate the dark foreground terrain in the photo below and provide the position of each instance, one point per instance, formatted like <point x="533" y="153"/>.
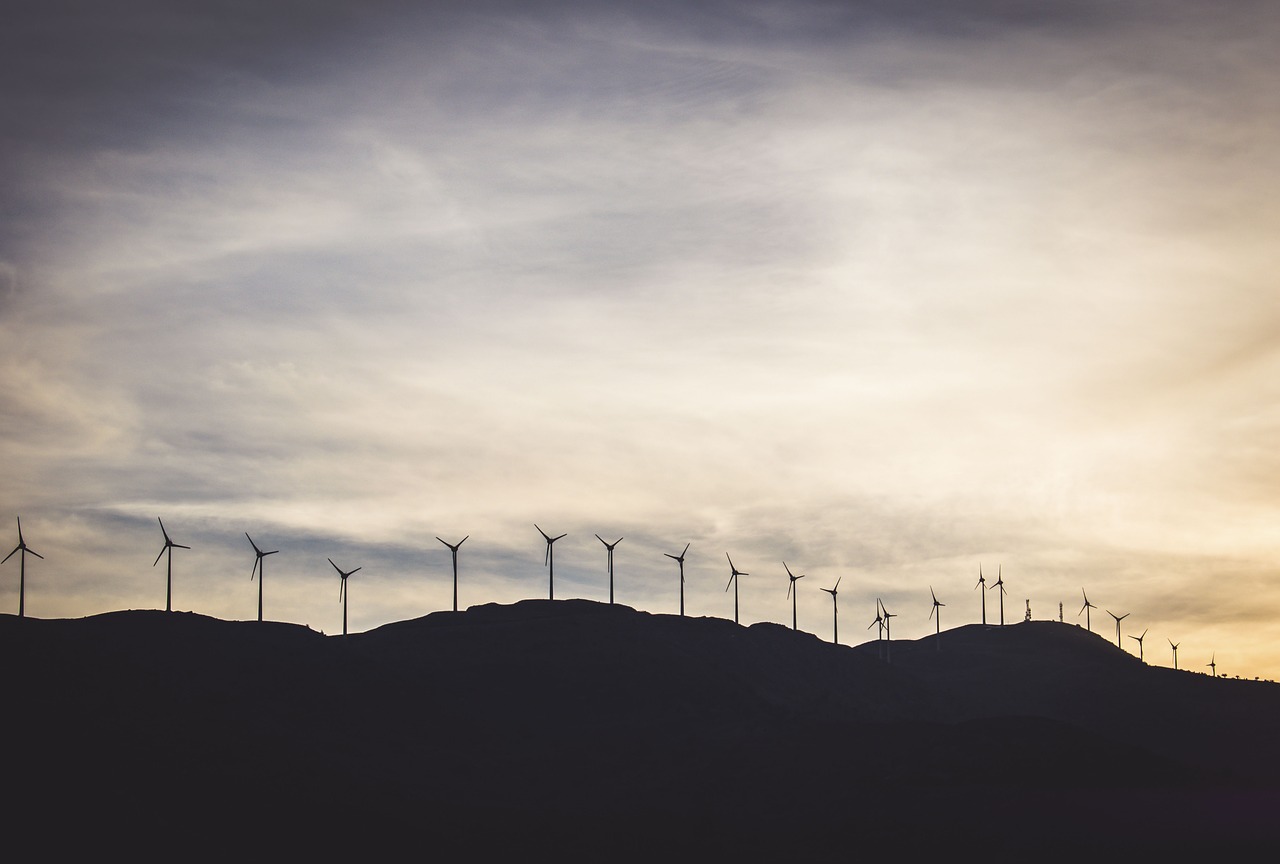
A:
<point x="583" y="731"/>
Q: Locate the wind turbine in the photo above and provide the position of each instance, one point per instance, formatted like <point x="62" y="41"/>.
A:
<point x="878" y="620"/>
<point x="835" y="611"/>
<point x="257" y="568"/>
<point x="550" y="561"/>
<point x="1213" y="667"/>
<point x="791" y="592"/>
<point x="982" y="583"/>
<point x="1085" y="609"/>
<point x="1139" y="639"/>
<point x="937" y="632"/>
<point x="1118" y="618"/>
<point x="999" y="583"/>
<point x="610" y="546"/>
<point x="22" y="569"/>
<point x="734" y="573"/>
<point x="169" y="546"/>
<point x="679" y="559"/>
<point x="342" y="593"/>
<point x="1174" y="646"/>
<point x="453" y="551"/>
<point x="888" y="636"/>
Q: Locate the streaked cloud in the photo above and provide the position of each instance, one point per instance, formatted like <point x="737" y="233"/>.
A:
<point x="883" y="290"/>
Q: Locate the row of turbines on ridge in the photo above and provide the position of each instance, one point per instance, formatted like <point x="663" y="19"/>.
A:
<point x="881" y="620"/>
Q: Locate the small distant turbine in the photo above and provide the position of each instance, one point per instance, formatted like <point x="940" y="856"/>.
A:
<point x="791" y="592"/>
<point x="169" y="546"/>
<point x="1139" y="639"/>
<point x="877" y="622"/>
<point x="937" y="631"/>
<point x="1085" y="609"/>
<point x="982" y="583"/>
<point x="453" y="552"/>
<point x="734" y="573"/>
<point x="257" y="569"/>
<point x="888" y="636"/>
<point x="999" y="584"/>
<point x="1174" y="646"/>
<point x="22" y="569"/>
<point x="1118" y="618"/>
<point x="549" y="560"/>
<point x="1213" y="667"/>
<point x="835" y="611"/>
<point x="342" y="593"/>
<point x="679" y="559"/>
<point x="609" y="546"/>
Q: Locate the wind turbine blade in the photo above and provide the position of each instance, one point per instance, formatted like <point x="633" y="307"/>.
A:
<point x="158" y="557"/>
<point x="35" y="553"/>
<point x="837" y="585"/>
<point x="180" y="546"/>
<point x="357" y="570"/>
<point x="463" y="540"/>
<point x="16" y="548"/>
<point x="335" y="566"/>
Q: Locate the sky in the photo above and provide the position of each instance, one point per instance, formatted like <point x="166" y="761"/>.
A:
<point x="886" y="293"/>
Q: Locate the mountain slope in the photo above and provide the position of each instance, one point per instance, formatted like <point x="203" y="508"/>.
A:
<point x="581" y="725"/>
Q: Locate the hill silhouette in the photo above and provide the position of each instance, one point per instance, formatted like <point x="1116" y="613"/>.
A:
<point x="601" y="732"/>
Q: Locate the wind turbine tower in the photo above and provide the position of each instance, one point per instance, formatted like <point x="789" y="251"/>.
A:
<point x="934" y="613"/>
<point x="835" y="611"/>
<point x="999" y="585"/>
<point x="734" y="573"/>
<point x="679" y="559"/>
<point x="609" y="546"/>
<point x="453" y="552"/>
<point x="22" y="569"/>
<point x="169" y="546"/>
<point x="1118" y="618"/>
<point x="791" y="592"/>
<point x="342" y="593"/>
<point x="1085" y="609"/>
<point x="550" y="561"/>
<point x="982" y="585"/>
<point x="257" y="569"/>
<point x="1139" y="639"/>
<point x="888" y="635"/>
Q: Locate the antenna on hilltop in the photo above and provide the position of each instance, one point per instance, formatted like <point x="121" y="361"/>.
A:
<point x="257" y="569"/>
<point x="22" y="569"/>
<point x="169" y="546"/>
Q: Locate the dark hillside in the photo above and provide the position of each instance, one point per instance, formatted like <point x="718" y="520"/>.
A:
<point x="601" y="731"/>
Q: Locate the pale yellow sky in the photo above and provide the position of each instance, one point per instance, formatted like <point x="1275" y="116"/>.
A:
<point x="884" y="298"/>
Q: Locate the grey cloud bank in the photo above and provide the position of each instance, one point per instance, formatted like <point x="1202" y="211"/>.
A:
<point x="886" y="290"/>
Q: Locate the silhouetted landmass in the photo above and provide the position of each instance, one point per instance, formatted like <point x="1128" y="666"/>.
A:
<point x="599" y="732"/>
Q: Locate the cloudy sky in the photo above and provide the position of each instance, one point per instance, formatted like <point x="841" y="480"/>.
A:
<point x="887" y="291"/>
